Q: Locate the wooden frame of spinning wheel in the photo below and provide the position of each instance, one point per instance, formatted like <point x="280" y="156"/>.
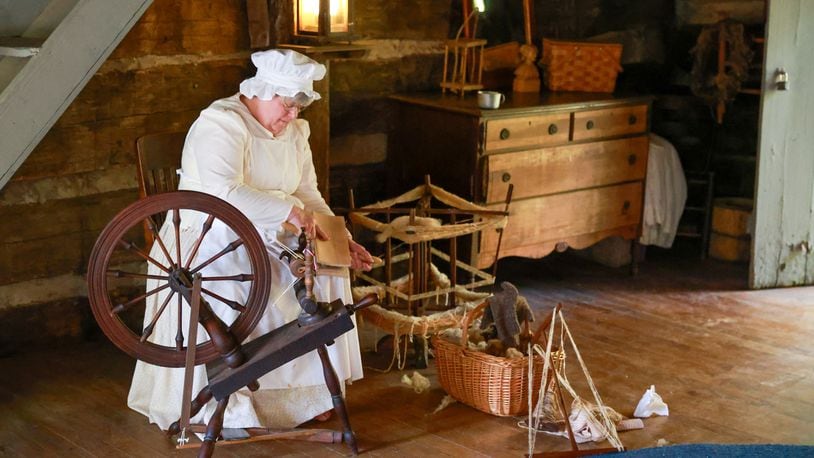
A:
<point x="246" y="363"/>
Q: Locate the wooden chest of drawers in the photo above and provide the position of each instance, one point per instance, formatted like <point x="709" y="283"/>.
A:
<point x="577" y="162"/>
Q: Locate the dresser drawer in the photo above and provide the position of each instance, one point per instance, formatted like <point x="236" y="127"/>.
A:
<point x="564" y="168"/>
<point x="560" y="217"/>
<point x="527" y="131"/>
<point x="610" y="122"/>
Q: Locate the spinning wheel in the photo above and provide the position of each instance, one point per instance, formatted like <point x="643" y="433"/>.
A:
<point x="176" y="275"/>
<point x="108" y="268"/>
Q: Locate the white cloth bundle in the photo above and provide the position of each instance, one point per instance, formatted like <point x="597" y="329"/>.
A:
<point x="665" y="194"/>
<point x="651" y="404"/>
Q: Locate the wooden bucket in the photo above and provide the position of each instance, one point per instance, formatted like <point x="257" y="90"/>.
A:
<point x="730" y="239"/>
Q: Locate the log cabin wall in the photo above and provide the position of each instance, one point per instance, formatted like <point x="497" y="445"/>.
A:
<point x="181" y="55"/>
<point x="405" y="41"/>
<point x="185" y="53"/>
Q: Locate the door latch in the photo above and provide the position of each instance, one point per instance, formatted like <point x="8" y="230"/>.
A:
<point x="781" y="79"/>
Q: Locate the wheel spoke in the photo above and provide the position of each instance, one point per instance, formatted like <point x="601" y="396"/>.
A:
<point x="229" y="248"/>
<point x="123" y="274"/>
<point x="176" y="221"/>
<point x="206" y="226"/>
<point x="149" y="329"/>
<point x="132" y="247"/>
<point x="122" y="307"/>
<point x="238" y="277"/>
<point x="234" y="305"/>
<point x="154" y="229"/>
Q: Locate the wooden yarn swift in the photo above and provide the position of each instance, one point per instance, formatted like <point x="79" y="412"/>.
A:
<point x="411" y="280"/>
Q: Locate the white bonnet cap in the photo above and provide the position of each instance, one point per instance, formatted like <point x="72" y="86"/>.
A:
<point x="282" y="72"/>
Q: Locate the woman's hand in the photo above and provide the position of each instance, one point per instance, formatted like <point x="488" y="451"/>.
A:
<point x="304" y="221"/>
<point x="360" y="259"/>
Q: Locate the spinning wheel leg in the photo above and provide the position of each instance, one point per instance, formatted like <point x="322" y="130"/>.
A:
<point x="200" y="400"/>
<point x="213" y="429"/>
<point x="332" y="381"/>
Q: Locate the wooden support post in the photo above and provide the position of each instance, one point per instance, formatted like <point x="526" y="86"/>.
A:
<point x="527" y="20"/>
<point x="352" y="204"/>
<point x="388" y="263"/>
<point x="259" y="24"/>
<point x="453" y="261"/>
<point x="189" y="367"/>
<point x="466" y="10"/>
<point x="720" y="108"/>
<point x="414" y="269"/>
<point x="332" y="381"/>
<point x="500" y="236"/>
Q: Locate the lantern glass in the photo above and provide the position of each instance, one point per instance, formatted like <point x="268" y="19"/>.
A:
<point x="336" y="20"/>
<point x="308" y="16"/>
<point x="339" y="16"/>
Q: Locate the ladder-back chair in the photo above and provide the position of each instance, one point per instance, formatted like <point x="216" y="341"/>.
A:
<point x="158" y="159"/>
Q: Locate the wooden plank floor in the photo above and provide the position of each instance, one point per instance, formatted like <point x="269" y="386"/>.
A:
<point x="735" y="366"/>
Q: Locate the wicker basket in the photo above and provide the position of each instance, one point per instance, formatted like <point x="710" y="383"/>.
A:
<point x="491" y="384"/>
<point x="581" y="66"/>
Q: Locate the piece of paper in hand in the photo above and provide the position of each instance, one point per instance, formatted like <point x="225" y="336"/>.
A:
<point x="650" y="404"/>
<point x="333" y="252"/>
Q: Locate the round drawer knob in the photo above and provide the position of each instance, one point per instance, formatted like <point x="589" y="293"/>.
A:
<point x="589" y="125"/>
<point x="632" y="119"/>
<point x="504" y="134"/>
<point x="631" y="159"/>
<point x="626" y="206"/>
<point x="552" y="129"/>
<point x="506" y="177"/>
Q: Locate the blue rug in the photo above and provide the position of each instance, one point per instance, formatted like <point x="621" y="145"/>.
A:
<point x="722" y="451"/>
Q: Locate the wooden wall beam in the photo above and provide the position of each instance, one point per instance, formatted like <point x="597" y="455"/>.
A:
<point x="259" y="24"/>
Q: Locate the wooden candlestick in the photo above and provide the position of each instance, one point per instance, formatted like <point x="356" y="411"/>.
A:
<point x="526" y="76"/>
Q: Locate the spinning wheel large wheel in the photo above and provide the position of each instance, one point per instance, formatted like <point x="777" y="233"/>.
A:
<point x="113" y="264"/>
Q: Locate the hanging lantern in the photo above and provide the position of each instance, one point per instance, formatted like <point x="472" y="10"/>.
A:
<point x="326" y="19"/>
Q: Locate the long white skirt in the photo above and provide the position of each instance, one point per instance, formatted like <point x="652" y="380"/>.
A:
<point x="289" y="395"/>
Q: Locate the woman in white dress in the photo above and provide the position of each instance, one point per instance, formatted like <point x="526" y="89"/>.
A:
<point x="251" y="151"/>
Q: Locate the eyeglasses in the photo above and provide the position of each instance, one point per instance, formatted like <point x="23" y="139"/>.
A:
<point x="291" y="106"/>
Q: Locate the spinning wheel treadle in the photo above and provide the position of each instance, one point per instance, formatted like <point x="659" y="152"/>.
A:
<point x="111" y="251"/>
